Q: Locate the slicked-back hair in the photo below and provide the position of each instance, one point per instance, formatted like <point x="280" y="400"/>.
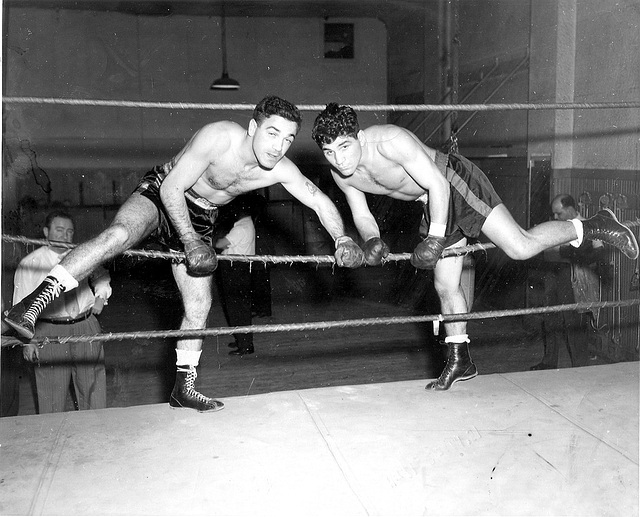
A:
<point x="335" y="121"/>
<point x="272" y="105"/>
<point x="57" y="213"/>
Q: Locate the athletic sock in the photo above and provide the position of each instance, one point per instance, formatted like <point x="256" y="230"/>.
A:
<point x="187" y="357"/>
<point x="577" y="223"/>
<point x="64" y="277"/>
<point x="460" y="338"/>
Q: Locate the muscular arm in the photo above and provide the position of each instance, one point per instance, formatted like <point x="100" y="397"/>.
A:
<point x="191" y="164"/>
<point x="305" y="191"/>
<point x="362" y="217"/>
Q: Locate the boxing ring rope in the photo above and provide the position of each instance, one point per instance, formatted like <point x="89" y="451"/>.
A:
<point x="273" y="259"/>
<point x="320" y="107"/>
<point x="279" y="259"/>
<point x="324" y="325"/>
<point x="319" y="259"/>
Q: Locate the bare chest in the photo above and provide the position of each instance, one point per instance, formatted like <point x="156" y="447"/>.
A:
<point x="390" y="180"/>
<point x="220" y="182"/>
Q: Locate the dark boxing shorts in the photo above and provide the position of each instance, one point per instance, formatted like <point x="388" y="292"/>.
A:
<point x="472" y="199"/>
<point x="203" y="213"/>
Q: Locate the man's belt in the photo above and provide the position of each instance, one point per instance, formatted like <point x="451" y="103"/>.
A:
<point x="67" y="321"/>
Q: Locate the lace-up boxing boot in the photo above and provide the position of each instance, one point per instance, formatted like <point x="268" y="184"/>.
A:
<point x="604" y="226"/>
<point x="23" y="315"/>
<point x="459" y="367"/>
<point x="184" y="394"/>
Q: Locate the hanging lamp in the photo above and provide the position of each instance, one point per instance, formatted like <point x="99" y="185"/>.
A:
<point x="225" y="82"/>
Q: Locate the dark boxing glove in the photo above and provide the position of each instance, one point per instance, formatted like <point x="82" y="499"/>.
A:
<point x="348" y="253"/>
<point x="427" y="253"/>
<point x="201" y="259"/>
<point x="375" y="250"/>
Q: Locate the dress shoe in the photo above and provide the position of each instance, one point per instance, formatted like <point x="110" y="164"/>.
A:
<point x="541" y="366"/>
<point x="242" y="351"/>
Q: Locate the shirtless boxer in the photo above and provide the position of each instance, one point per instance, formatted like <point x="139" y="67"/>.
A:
<point x="458" y="202"/>
<point x="179" y="202"/>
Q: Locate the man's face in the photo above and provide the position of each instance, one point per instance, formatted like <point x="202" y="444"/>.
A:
<point x="343" y="154"/>
<point x="562" y="213"/>
<point x="61" y="229"/>
<point x="272" y="139"/>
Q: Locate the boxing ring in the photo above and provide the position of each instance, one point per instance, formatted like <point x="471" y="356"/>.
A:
<point x="555" y="442"/>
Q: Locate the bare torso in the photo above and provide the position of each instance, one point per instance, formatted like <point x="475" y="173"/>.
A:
<point x="230" y="168"/>
<point x="377" y="174"/>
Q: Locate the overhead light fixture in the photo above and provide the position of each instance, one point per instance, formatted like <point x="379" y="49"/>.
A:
<point x="225" y="82"/>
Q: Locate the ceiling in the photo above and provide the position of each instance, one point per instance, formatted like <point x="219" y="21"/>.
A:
<point x="244" y="8"/>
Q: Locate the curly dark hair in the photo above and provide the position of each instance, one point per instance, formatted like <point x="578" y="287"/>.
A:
<point x="333" y="122"/>
<point x="272" y="105"/>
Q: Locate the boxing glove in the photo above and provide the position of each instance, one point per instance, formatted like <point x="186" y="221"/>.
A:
<point x="348" y="253"/>
<point x="201" y="259"/>
<point x="375" y="249"/>
<point x="427" y="253"/>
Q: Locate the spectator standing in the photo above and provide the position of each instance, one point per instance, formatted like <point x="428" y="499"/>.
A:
<point x="74" y="313"/>
<point x="234" y="278"/>
<point x="572" y="277"/>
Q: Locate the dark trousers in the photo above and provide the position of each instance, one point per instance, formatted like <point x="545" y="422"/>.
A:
<point x="234" y="284"/>
<point x="11" y="369"/>
<point x="570" y="329"/>
<point x="261" y="289"/>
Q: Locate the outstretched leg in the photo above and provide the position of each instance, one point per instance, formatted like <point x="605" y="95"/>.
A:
<point x="521" y="244"/>
<point x="196" y="299"/>
<point x="136" y="219"/>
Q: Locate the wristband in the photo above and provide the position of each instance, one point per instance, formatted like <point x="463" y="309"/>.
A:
<point x="190" y="236"/>
<point x="437" y="229"/>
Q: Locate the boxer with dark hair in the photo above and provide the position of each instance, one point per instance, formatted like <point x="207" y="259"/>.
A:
<point x="458" y="201"/>
<point x="178" y="203"/>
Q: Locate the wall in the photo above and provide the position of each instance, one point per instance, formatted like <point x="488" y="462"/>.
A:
<point x="586" y="52"/>
<point x="115" y="56"/>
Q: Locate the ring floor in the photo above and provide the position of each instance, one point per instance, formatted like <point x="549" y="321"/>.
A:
<point x="553" y="442"/>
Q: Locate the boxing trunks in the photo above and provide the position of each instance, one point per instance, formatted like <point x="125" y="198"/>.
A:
<point x="203" y="213"/>
<point x="472" y="197"/>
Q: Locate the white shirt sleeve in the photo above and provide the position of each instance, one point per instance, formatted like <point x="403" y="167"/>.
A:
<point x="242" y="238"/>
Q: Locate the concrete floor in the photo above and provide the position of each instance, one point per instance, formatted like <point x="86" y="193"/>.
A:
<point x="555" y="442"/>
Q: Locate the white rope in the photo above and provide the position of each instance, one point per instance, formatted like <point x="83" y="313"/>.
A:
<point x="320" y="107"/>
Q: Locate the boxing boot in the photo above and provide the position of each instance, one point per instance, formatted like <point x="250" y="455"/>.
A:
<point x="241" y="350"/>
<point x="604" y="226"/>
<point x="184" y="394"/>
<point x="23" y="315"/>
<point x="459" y="367"/>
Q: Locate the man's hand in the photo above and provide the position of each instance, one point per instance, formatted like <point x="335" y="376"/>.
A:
<point x="31" y="353"/>
<point x="375" y="249"/>
<point x="201" y="259"/>
<point x="348" y="253"/>
<point x="428" y="252"/>
<point x="98" y="305"/>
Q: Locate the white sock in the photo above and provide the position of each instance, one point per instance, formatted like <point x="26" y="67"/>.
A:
<point x="64" y="277"/>
<point x="579" y="230"/>
<point x="460" y="338"/>
<point x="187" y="357"/>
